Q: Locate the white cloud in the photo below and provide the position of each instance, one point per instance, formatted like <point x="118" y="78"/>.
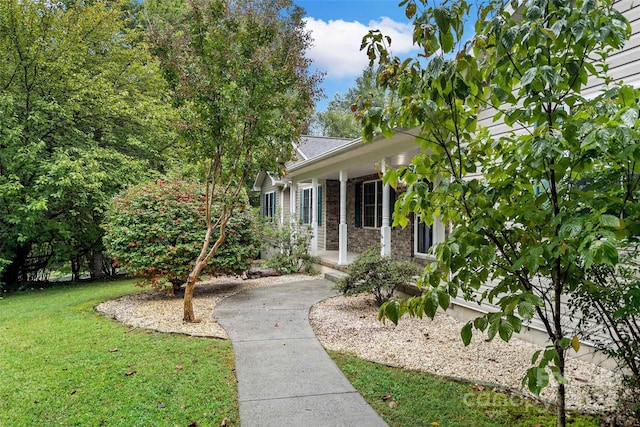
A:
<point x="336" y="46"/>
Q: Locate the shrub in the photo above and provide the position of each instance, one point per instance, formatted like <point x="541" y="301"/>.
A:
<point x="155" y="232"/>
<point x="608" y="309"/>
<point x="380" y="275"/>
<point x="292" y="243"/>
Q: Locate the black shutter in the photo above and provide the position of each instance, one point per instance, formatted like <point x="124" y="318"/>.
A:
<point x="319" y="205"/>
<point x="358" y="205"/>
<point x="392" y="202"/>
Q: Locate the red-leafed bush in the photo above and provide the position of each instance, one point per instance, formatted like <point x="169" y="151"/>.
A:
<point x="155" y="232"/>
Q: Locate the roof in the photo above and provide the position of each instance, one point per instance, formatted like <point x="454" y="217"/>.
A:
<point x="309" y="147"/>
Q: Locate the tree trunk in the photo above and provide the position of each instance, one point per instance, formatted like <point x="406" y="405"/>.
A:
<point x="75" y="269"/>
<point x="96" y="265"/>
<point x="561" y="415"/>
<point x="188" y="313"/>
<point x="14" y="273"/>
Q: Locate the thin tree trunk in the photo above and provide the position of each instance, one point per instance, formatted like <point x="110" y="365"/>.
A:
<point x="561" y="401"/>
<point x="188" y="313"/>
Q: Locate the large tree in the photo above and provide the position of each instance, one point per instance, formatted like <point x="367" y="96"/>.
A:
<point x="339" y="119"/>
<point x="544" y="196"/>
<point x="81" y="114"/>
<point x="242" y="87"/>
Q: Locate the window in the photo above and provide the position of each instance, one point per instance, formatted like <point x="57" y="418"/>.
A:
<point x="269" y="206"/>
<point x="305" y="205"/>
<point x="423" y="237"/>
<point x="372" y="204"/>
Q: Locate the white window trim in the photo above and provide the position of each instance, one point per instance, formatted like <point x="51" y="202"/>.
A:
<point x="310" y="199"/>
<point x="416" y="222"/>
<point x="438" y="232"/>
<point x="375" y="217"/>
<point x="273" y="206"/>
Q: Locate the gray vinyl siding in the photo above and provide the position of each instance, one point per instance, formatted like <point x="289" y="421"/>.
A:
<point x="624" y="65"/>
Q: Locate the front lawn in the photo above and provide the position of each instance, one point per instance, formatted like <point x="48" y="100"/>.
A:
<point x="63" y="364"/>
<point x="410" y="398"/>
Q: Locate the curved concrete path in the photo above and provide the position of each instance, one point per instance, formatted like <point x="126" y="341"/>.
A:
<point x="285" y="378"/>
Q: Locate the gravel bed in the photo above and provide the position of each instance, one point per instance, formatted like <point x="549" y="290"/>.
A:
<point x="153" y="310"/>
<point x="351" y="325"/>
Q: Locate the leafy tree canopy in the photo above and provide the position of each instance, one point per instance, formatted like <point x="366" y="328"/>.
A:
<point x="339" y="119"/>
<point x="540" y="181"/>
<point x="241" y="85"/>
<point x="81" y="114"/>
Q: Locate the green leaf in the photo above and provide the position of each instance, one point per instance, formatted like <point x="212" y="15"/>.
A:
<point x="571" y="228"/>
<point x="528" y="76"/>
<point x="466" y="333"/>
<point x="578" y="28"/>
<point x="629" y="117"/>
<point x="493" y="329"/>
<point x="446" y="40"/>
<point x="535" y="356"/>
<point x="549" y="75"/>
<point x="506" y="330"/>
<point x="564" y="343"/>
<point x="481" y="323"/>
<point x="559" y="378"/>
<point x="610" y="221"/>
<point x="390" y="310"/>
<point x="444" y="300"/>
<point x="537" y="378"/>
<point x="526" y="309"/>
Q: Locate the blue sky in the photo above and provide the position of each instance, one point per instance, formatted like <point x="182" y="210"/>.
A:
<point x="337" y="27"/>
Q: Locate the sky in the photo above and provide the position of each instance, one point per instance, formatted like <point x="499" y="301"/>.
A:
<point x="337" y="27"/>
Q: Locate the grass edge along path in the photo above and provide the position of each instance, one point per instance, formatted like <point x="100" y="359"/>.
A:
<point x="64" y="364"/>
<point x="410" y="398"/>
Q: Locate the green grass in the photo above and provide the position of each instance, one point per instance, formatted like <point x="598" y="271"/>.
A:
<point x="423" y="399"/>
<point x="57" y="368"/>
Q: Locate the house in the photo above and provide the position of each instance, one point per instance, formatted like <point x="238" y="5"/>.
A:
<point x="339" y="192"/>
<point x="335" y="186"/>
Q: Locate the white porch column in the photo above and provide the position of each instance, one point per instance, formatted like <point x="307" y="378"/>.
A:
<point x="342" y="239"/>
<point x="314" y="216"/>
<point x="385" y="230"/>
<point x="281" y="208"/>
<point x="293" y="193"/>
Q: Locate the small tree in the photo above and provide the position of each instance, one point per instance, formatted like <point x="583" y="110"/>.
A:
<point x="241" y="84"/>
<point x="291" y="242"/>
<point x="377" y="274"/>
<point x="154" y="231"/>
<point x="536" y="205"/>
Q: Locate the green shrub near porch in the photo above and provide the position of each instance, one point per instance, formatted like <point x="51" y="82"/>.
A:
<point x="377" y="274"/>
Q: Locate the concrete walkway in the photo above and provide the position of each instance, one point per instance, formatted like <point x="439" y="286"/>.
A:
<point x="285" y="378"/>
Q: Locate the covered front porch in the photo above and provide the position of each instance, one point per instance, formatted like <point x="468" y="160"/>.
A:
<point x="353" y="207"/>
<point x="331" y="259"/>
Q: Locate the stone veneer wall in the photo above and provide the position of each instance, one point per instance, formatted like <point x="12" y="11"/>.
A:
<point x="332" y="215"/>
<point x="360" y="239"/>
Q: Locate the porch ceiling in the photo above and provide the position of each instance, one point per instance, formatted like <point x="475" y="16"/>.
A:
<point x="358" y="158"/>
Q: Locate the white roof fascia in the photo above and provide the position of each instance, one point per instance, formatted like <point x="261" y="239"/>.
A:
<point x="327" y="162"/>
